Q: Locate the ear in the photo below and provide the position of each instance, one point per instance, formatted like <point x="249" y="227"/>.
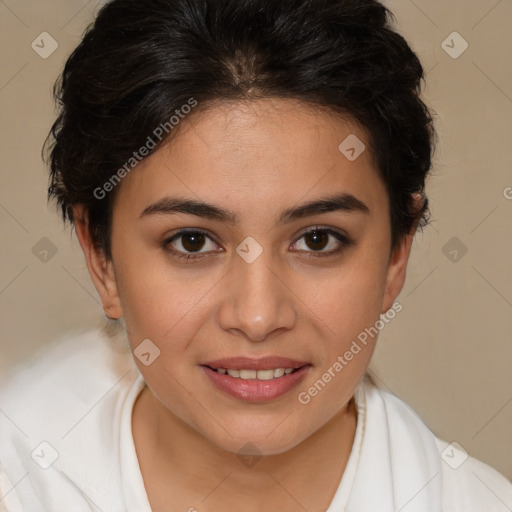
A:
<point x="100" y="268"/>
<point x="395" y="278"/>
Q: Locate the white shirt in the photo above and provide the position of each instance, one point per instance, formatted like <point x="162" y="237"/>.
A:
<point x="66" y="443"/>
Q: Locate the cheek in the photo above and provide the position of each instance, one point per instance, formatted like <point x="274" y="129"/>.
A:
<point x="158" y="307"/>
<point x="351" y="298"/>
<point x="348" y="309"/>
<point x="154" y="296"/>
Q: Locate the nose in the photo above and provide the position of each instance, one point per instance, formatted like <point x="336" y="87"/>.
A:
<point x="257" y="302"/>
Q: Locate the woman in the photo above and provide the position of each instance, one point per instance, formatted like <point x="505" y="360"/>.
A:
<point x="246" y="178"/>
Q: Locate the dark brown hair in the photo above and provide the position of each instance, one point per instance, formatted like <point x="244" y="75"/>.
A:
<point x="140" y="62"/>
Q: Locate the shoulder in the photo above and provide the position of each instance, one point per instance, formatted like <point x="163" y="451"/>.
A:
<point x="466" y="483"/>
<point x="72" y="368"/>
<point x="59" y="418"/>
<point x="470" y="483"/>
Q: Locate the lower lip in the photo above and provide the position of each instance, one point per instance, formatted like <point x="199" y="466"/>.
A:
<point x="254" y="390"/>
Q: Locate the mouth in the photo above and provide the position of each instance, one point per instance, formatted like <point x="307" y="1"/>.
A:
<point x="262" y="368"/>
<point x="256" y="380"/>
<point x="248" y="374"/>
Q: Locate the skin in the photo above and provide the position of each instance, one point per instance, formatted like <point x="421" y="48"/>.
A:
<point x="255" y="159"/>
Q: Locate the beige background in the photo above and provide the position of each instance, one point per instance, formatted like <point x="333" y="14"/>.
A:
<point x="448" y="353"/>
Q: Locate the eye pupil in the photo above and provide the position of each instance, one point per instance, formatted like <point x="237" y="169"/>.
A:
<point x="318" y="237"/>
<point x="196" y="241"/>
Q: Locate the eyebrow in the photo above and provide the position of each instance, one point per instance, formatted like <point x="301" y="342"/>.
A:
<point x="342" y="202"/>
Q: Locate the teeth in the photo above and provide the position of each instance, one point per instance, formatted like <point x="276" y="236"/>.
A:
<point x="264" y="374"/>
<point x="256" y="374"/>
<point x="279" y="372"/>
<point x="247" y="374"/>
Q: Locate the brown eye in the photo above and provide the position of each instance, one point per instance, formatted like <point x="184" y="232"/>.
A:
<point x="192" y="241"/>
<point x="187" y="243"/>
<point x="316" y="240"/>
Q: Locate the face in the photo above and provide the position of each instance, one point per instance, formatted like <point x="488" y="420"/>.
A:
<point x="257" y="274"/>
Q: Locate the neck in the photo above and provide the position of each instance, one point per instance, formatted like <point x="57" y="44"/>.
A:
<point x="177" y="460"/>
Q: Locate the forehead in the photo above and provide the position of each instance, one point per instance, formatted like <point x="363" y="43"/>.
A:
<point x="274" y="150"/>
<point x="283" y="128"/>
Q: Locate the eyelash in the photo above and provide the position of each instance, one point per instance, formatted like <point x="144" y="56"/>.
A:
<point x="346" y="242"/>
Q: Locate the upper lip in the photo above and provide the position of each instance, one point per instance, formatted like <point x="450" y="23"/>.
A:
<point x="262" y="363"/>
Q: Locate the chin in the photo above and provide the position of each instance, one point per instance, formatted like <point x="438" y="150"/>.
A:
<point x="257" y="442"/>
